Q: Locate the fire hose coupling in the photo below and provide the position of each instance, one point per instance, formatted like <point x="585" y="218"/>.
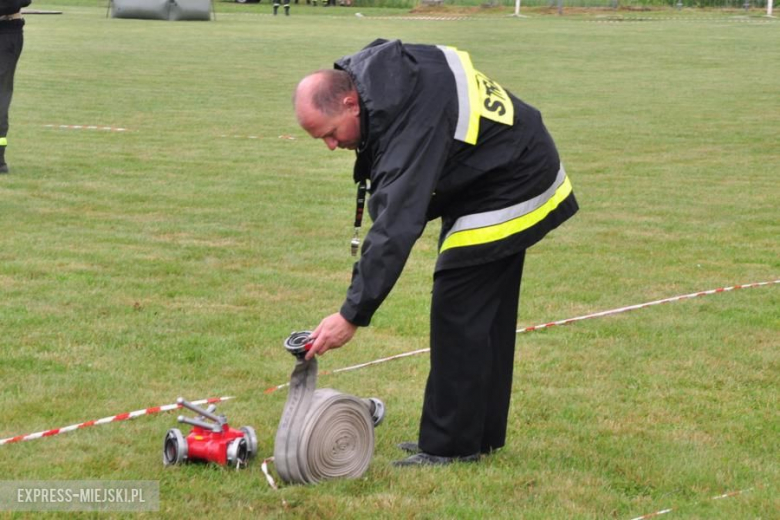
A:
<point x="298" y="343"/>
<point x="212" y="441"/>
<point x="377" y="409"/>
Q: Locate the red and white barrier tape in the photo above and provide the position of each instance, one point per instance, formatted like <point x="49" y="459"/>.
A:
<point x="556" y="323"/>
<point x="87" y="127"/>
<point x="270" y="479"/>
<point x="354" y="367"/>
<point x="165" y="408"/>
<point x="648" y="304"/>
<point x="664" y="511"/>
<point x="106" y="420"/>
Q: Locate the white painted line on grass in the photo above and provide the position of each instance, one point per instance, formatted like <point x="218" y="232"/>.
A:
<point x="664" y="511"/>
<point x="87" y="127"/>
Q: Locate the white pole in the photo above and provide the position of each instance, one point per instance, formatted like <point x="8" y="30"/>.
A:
<point x="768" y="7"/>
<point x="517" y="10"/>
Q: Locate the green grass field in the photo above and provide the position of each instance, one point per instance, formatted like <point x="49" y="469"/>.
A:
<point x="174" y="257"/>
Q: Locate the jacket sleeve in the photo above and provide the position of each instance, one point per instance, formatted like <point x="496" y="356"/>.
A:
<point x="403" y="178"/>
<point x="12" y="6"/>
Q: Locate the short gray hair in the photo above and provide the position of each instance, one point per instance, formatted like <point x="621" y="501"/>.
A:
<point x="330" y="90"/>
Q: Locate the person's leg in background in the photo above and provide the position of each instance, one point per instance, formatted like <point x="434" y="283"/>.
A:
<point x="11" y="42"/>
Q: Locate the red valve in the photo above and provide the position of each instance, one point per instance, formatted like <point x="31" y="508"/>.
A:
<point x="216" y="442"/>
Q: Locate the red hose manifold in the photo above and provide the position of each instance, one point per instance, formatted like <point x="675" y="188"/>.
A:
<point x="216" y="442"/>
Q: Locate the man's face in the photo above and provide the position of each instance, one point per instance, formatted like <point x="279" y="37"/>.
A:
<point x="341" y="130"/>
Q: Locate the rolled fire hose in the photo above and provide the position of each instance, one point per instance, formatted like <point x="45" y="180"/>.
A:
<point x="323" y="434"/>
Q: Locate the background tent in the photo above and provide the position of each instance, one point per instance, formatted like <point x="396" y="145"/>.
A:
<point x="174" y="10"/>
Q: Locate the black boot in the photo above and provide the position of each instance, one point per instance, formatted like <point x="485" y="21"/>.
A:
<point x="276" y="8"/>
<point x="287" y="10"/>
<point x="3" y="165"/>
<point x="426" y="459"/>
<point x="409" y="447"/>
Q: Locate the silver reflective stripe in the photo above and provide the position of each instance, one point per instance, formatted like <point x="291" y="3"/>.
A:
<point x="499" y="216"/>
<point x="462" y="84"/>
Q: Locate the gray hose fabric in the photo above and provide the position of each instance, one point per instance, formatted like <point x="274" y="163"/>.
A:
<point x="323" y="434"/>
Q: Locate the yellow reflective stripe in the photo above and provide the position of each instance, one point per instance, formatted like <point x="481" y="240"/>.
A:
<point x="478" y="96"/>
<point x="487" y="234"/>
<point x="3" y="141"/>
<point x="471" y="75"/>
<point x="467" y="128"/>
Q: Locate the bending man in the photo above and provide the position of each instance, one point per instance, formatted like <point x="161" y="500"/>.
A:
<point x="435" y="138"/>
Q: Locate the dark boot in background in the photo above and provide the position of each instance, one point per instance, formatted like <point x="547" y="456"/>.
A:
<point x="3" y="165"/>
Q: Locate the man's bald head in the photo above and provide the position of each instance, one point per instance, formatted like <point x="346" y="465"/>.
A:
<point x="324" y="90"/>
<point x="328" y="107"/>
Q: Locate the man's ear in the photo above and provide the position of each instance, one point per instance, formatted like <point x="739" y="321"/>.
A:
<point x="351" y="103"/>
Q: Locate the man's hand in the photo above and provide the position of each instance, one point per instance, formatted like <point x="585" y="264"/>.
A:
<point x="332" y="332"/>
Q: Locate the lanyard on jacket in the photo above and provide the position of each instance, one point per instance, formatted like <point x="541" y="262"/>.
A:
<point x="360" y="205"/>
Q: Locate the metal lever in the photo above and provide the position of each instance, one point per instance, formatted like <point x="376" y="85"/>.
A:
<point x="216" y="428"/>
<point x="205" y="413"/>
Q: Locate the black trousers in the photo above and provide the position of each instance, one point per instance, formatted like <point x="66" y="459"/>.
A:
<point x="11" y="43"/>
<point x="473" y="332"/>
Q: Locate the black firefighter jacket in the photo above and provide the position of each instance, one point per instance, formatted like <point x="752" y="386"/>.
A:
<point x="12" y="6"/>
<point x="440" y="139"/>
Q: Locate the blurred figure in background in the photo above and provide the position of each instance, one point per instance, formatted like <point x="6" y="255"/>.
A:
<point x="11" y="43"/>
<point x="277" y="3"/>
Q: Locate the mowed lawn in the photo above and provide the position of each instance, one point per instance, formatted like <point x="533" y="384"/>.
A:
<point x="171" y="250"/>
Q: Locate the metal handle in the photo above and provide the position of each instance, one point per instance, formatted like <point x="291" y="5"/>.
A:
<point x="216" y="428"/>
<point x="205" y="413"/>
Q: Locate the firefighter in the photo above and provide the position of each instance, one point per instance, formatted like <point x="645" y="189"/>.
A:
<point x="11" y="42"/>
<point x="286" y="6"/>
<point x="436" y="138"/>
